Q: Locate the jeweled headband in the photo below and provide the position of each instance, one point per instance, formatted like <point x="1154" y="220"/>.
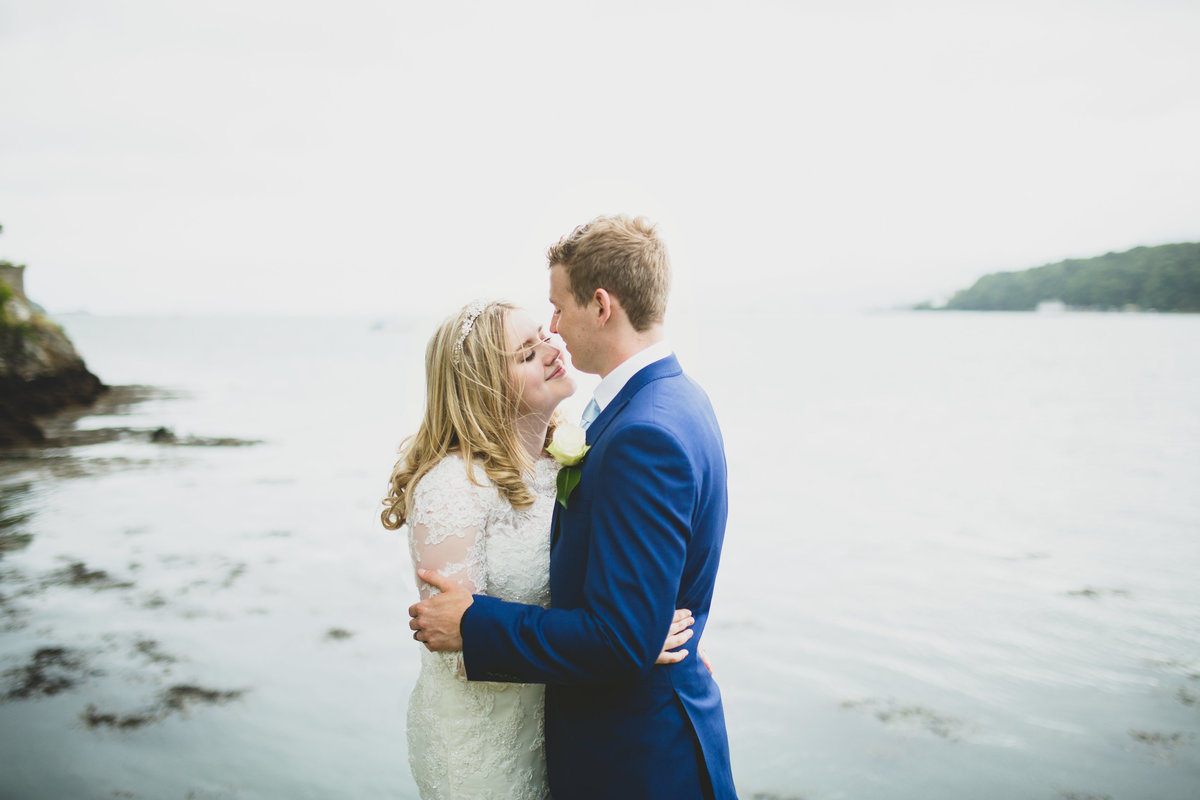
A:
<point x="473" y="312"/>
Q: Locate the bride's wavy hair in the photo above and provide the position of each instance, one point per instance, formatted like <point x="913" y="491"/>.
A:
<point x="471" y="407"/>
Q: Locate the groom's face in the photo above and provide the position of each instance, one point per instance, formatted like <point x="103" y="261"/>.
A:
<point x="571" y="321"/>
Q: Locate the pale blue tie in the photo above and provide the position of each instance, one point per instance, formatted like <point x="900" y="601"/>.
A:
<point x="589" y="414"/>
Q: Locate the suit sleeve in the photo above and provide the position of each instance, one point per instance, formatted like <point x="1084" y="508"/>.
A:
<point x="641" y="521"/>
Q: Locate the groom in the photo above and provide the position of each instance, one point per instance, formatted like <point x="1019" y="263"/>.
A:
<point x="640" y="536"/>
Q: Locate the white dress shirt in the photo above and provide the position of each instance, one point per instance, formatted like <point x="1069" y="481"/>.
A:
<point x="615" y="381"/>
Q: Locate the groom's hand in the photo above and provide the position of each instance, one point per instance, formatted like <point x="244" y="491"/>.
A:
<point x="436" y="621"/>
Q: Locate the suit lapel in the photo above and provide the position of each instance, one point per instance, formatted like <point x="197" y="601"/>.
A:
<point x="555" y="520"/>
<point x="663" y="368"/>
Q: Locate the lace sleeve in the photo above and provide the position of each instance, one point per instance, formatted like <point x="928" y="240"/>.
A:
<point x="448" y="527"/>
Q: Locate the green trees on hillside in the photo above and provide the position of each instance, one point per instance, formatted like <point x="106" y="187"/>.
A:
<point x="1163" y="278"/>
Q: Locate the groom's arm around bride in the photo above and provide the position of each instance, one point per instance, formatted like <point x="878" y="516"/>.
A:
<point x="639" y="537"/>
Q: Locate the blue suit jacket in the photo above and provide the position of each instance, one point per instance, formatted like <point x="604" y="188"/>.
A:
<point x="641" y="537"/>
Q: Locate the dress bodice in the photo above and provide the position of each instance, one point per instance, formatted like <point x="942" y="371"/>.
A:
<point x="475" y="739"/>
<point x="489" y="546"/>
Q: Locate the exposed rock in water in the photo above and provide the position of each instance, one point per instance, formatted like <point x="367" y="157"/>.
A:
<point x="163" y="436"/>
<point x="40" y="371"/>
<point x="50" y="671"/>
<point x="177" y="699"/>
<point x="77" y="574"/>
<point x="167" y="436"/>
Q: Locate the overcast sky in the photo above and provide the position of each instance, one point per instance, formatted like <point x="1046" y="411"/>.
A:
<point x="379" y="157"/>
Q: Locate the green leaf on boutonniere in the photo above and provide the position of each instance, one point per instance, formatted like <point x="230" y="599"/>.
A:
<point x="568" y="479"/>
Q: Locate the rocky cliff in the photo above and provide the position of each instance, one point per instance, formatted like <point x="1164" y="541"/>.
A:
<point x="40" y="372"/>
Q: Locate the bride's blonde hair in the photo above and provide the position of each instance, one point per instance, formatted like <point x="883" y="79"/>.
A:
<point x="471" y="407"/>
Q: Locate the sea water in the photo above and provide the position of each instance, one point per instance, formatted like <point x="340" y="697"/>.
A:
<point x="961" y="559"/>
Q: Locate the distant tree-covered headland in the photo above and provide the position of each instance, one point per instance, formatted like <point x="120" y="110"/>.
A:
<point x="40" y="371"/>
<point x="1163" y="278"/>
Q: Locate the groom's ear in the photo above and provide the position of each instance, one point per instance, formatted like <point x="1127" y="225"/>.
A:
<point x="604" y="305"/>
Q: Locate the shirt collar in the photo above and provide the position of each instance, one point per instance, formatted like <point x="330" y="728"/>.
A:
<point x="615" y="381"/>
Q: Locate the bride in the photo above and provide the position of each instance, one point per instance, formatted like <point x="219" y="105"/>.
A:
<point x="476" y="489"/>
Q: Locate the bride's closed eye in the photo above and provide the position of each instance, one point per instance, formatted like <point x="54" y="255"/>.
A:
<point x="530" y="347"/>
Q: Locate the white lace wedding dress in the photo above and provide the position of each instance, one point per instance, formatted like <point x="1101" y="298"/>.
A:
<point x="469" y="740"/>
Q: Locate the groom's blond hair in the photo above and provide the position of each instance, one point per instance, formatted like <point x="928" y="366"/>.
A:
<point x="622" y="255"/>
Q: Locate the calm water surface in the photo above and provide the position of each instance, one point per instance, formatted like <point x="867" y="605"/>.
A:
<point x="961" y="561"/>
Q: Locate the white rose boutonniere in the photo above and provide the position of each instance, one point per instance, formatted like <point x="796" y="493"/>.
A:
<point x="568" y="446"/>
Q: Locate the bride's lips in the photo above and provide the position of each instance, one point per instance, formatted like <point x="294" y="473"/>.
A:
<point x="558" y="372"/>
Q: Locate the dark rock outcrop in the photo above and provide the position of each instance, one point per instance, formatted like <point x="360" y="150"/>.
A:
<point x="40" y="371"/>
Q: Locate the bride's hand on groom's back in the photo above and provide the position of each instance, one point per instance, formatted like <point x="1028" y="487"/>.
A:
<point x="704" y="657"/>
<point x="679" y="632"/>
